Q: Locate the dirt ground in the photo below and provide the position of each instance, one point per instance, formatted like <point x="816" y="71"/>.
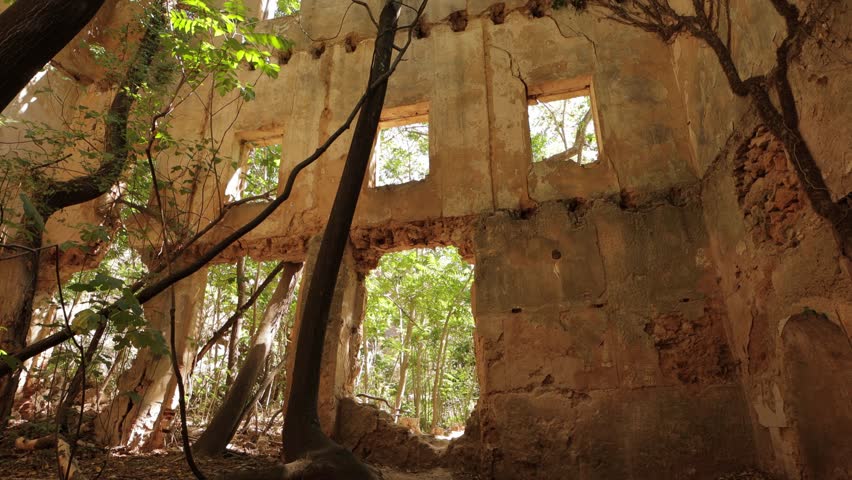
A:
<point x="166" y="465"/>
<point x="100" y="464"/>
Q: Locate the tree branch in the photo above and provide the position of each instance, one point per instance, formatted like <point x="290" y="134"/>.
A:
<point x="59" y="195"/>
<point x="238" y="313"/>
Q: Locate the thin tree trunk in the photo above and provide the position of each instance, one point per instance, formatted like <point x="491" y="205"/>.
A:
<point x="78" y="383"/>
<point x="366" y="386"/>
<point x="417" y="380"/>
<point x="439" y="373"/>
<point x="403" y="368"/>
<point x="237" y="401"/>
<point x="240" y="310"/>
<point x="302" y="433"/>
<point x="442" y="353"/>
<point x="234" y="342"/>
<point x="119" y="359"/>
<point x="253" y="325"/>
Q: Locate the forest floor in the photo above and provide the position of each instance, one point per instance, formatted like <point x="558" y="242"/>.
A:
<point x="41" y="465"/>
<point x="98" y="463"/>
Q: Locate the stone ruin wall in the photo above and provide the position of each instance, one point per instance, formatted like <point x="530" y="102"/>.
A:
<point x="631" y="315"/>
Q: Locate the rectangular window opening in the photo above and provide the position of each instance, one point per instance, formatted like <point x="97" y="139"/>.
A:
<point x="279" y="8"/>
<point x="562" y="128"/>
<point x="262" y="165"/>
<point x="401" y="152"/>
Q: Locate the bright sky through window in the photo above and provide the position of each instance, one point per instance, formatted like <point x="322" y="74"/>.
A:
<point x="563" y="130"/>
<point x="402" y="154"/>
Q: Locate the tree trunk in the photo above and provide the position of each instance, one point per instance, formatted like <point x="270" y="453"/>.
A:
<point x="32" y="32"/>
<point x="144" y="389"/>
<point x="250" y="303"/>
<point x="302" y="433"/>
<point x="417" y="381"/>
<point x="254" y="305"/>
<point x="357" y="333"/>
<point x="18" y="282"/>
<point x="439" y="373"/>
<point x="365" y="387"/>
<point x="234" y="341"/>
<point x="116" y="366"/>
<point x="403" y="368"/>
<point x="226" y="420"/>
<point x="36" y="364"/>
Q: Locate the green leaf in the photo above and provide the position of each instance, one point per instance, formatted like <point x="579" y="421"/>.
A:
<point x="85" y="321"/>
<point x="9" y="360"/>
<point x="32" y="213"/>
<point x="65" y="246"/>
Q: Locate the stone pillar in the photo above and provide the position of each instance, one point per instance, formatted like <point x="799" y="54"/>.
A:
<point x="149" y="384"/>
<point x="344" y="317"/>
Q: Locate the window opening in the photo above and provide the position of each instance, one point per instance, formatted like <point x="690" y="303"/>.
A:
<point x="280" y="8"/>
<point x="417" y="353"/>
<point x="262" y="164"/>
<point x="563" y="129"/>
<point x="401" y="154"/>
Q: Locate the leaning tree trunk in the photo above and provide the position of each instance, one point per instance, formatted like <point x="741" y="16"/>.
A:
<point x="302" y="433"/>
<point x="224" y="424"/>
<point x="32" y="32"/>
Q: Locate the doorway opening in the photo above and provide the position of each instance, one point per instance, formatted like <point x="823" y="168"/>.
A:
<point x="417" y="353"/>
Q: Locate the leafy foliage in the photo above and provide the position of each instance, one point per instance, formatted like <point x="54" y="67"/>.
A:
<point x="554" y="125"/>
<point x="402" y="154"/>
<point x="431" y="289"/>
<point x="204" y="46"/>
<point x="261" y="177"/>
<point x="211" y="41"/>
<point x="287" y="7"/>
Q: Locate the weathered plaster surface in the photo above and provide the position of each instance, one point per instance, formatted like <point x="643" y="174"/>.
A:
<point x="632" y="315"/>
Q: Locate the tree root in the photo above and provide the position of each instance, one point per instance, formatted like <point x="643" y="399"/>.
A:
<point x="332" y="463"/>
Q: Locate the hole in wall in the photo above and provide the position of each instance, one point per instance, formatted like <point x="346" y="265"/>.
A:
<point x="458" y="20"/>
<point x="279" y="8"/>
<point x="417" y="354"/>
<point x="562" y="128"/>
<point x="401" y="151"/>
<point x="256" y="171"/>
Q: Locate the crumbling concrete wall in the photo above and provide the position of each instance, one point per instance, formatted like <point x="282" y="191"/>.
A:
<point x="632" y="314"/>
<point x="775" y="258"/>
<point x="601" y="347"/>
